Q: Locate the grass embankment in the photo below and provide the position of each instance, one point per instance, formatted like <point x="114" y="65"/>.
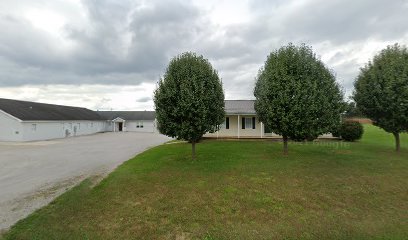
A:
<point x="240" y="190"/>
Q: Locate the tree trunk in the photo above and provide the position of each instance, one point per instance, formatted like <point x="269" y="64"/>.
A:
<point x="193" y="149"/>
<point x="397" y="141"/>
<point x="285" y="145"/>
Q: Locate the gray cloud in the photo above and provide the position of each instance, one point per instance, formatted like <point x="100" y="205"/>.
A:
<point x="144" y="99"/>
<point x="102" y="52"/>
<point x="130" y="42"/>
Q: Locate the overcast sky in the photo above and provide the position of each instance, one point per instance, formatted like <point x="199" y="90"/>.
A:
<point x="110" y="54"/>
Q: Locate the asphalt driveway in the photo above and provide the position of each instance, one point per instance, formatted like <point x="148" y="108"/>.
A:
<point x="34" y="173"/>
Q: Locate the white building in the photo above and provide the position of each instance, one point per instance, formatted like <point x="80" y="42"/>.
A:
<point x="30" y="121"/>
<point x="129" y="121"/>
<point x="241" y="121"/>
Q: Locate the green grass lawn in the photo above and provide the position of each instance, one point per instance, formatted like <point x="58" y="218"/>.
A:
<point x="240" y="190"/>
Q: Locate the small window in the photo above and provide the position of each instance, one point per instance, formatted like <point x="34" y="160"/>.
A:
<point x="34" y="127"/>
<point x="139" y="124"/>
<point x="225" y="125"/>
<point x="248" y="123"/>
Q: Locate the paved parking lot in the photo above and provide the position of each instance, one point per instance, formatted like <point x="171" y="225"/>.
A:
<point x="34" y="173"/>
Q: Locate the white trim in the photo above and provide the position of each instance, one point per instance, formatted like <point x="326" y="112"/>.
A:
<point x="9" y="115"/>
<point x="239" y="127"/>
<point x="242" y="114"/>
<point x="118" y="119"/>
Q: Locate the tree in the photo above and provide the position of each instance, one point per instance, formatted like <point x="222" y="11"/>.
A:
<point x="296" y="95"/>
<point x="189" y="99"/>
<point x="381" y="90"/>
<point x="352" y="110"/>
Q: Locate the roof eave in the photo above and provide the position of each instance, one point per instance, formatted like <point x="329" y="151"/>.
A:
<point x="12" y="116"/>
<point x="240" y="113"/>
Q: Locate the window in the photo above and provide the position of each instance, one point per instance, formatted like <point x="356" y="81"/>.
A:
<point x="139" y="124"/>
<point x="248" y="123"/>
<point x="34" y="127"/>
<point x="225" y="124"/>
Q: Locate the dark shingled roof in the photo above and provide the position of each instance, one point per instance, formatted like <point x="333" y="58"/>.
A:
<point x="239" y="107"/>
<point x="27" y="111"/>
<point x="128" y="115"/>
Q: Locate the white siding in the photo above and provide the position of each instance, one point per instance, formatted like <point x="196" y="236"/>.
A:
<point x="234" y="129"/>
<point x="131" y="126"/>
<point x="108" y="126"/>
<point x="10" y="128"/>
<point x="45" y="130"/>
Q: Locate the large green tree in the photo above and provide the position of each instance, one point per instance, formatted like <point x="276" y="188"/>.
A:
<point x="189" y="99"/>
<point x="381" y="90"/>
<point x="297" y="97"/>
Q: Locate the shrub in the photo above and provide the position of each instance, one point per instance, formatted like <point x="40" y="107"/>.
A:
<point x="336" y="131"/>
<point x="351" y="131"/>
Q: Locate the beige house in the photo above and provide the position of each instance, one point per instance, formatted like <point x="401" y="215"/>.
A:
<point x="240" y="121"/>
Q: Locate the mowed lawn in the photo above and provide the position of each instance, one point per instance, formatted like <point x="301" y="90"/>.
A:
<point x="240" y="190"/>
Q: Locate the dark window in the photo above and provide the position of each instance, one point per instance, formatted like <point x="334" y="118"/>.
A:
<point x="227" y="123"/>
<point x="253" y="122"/>
<point x="243" y="123"/>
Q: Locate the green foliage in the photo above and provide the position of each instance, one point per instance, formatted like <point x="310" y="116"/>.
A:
<point x="381" y="90"/>
<point x="189" y="99"/>
<point x="296" y="95"/>
<point x="351" y="131"/>
<point x="336" y="131"/>
<point x="239" y="190"/>
<point x="352" y="110"/>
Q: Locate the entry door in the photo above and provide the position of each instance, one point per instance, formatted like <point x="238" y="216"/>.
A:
<point x="120" y="126"/>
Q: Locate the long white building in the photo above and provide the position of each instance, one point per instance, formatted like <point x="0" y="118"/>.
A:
<point x="30" y="121"/>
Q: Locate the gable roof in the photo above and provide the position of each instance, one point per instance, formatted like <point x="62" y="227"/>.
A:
<point x="239" y="107"/>
<point x="31" y="111"/>
<point x="128" y="115"/>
